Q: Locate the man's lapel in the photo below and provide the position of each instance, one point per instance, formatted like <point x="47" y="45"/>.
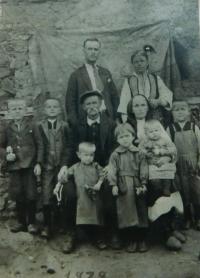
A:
<point x="85" y="77"/>
<point x="44" y="125"/>
<point x="25" y="126"/>
<point x="58" y="127"/>
<point x="102" y="75"/>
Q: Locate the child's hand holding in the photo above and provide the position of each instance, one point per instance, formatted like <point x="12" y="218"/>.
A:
<point x="115" y="190"/>
<point x="37" y="170"/>
<point x="141" y="190"/>
<point x="105" y="171"/>
<point x="10" y="156"/>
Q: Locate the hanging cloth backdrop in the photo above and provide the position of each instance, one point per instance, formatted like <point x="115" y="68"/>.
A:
<point x="53" y="57"/>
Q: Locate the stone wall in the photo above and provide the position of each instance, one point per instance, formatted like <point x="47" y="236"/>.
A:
<point x="20" y="20"/>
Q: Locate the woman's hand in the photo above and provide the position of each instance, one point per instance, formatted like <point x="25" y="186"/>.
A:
<point x="154" y="103"/>
<point x="163" y="102"/>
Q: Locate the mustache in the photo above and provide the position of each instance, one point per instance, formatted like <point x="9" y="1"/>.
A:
<point x="92" y="109"/>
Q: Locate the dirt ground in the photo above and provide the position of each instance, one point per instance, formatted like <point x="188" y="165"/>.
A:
<point x="22" y="256"/>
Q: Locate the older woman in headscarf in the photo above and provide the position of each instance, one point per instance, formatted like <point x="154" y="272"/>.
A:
<point x="148" y="84"/>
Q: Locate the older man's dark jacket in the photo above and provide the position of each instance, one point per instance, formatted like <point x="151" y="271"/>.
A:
<point x="79" y="82"/>
<point x="106" y="142"/>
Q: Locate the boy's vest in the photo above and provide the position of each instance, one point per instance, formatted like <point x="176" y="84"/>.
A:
<point x="176" y="128"/>
<point x="53" y="143"/>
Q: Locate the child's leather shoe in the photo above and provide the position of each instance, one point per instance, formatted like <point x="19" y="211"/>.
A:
<point x="32" y="229"/>
<point x="45" y="233"/>
<point x="18" y="227"/>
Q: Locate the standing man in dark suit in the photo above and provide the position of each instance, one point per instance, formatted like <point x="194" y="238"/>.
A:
<point x="91" y="76"/>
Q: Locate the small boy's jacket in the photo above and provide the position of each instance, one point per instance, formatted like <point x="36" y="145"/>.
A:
<point x="24" y="142"/>
<point x="57" y="145"/>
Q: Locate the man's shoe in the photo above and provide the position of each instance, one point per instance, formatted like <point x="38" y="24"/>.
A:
<point x="18" y="227"/>
<point x="173" y="244"/>
<point x="32" y="229"/>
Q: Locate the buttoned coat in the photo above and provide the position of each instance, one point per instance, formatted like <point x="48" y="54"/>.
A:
<point x="79" y="82"/>
<point x="63" y="145"/>
<point x="24" y="142"/>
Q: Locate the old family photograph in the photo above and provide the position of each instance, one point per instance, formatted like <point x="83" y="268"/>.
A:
<point x="99" y="150"/>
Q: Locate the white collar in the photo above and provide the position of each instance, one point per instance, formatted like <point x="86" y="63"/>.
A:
<point x="182" y="124"/>
<point x="90" y="121"/>
<point x="51" y="120"/>
<point x="91" y="66"/>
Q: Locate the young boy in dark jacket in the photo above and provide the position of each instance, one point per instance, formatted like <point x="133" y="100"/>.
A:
<point x="54" y="154"/>
<point x="19" y="145"/>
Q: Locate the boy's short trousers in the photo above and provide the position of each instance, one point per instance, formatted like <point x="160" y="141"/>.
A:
<point x="23" y="185"/>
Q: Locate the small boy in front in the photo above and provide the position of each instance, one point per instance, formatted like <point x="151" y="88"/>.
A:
<point x="20" y="143"/>
<point x="56" y="153"/>
<point x="88" y="178"/>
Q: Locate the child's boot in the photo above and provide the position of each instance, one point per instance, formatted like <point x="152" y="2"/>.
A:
<point x="32" y="229"/>
<point x="69" y="243"/>
<point x="45" y="233"/>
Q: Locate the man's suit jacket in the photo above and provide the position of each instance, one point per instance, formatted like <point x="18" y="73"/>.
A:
<point x="79" y="82"/>
<point x="106" y="138"/>
<point x="24" y="142"/>
<point x="63" y="145"/>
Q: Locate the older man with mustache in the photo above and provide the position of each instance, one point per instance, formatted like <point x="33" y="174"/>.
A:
<point x="96" y="127"/>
